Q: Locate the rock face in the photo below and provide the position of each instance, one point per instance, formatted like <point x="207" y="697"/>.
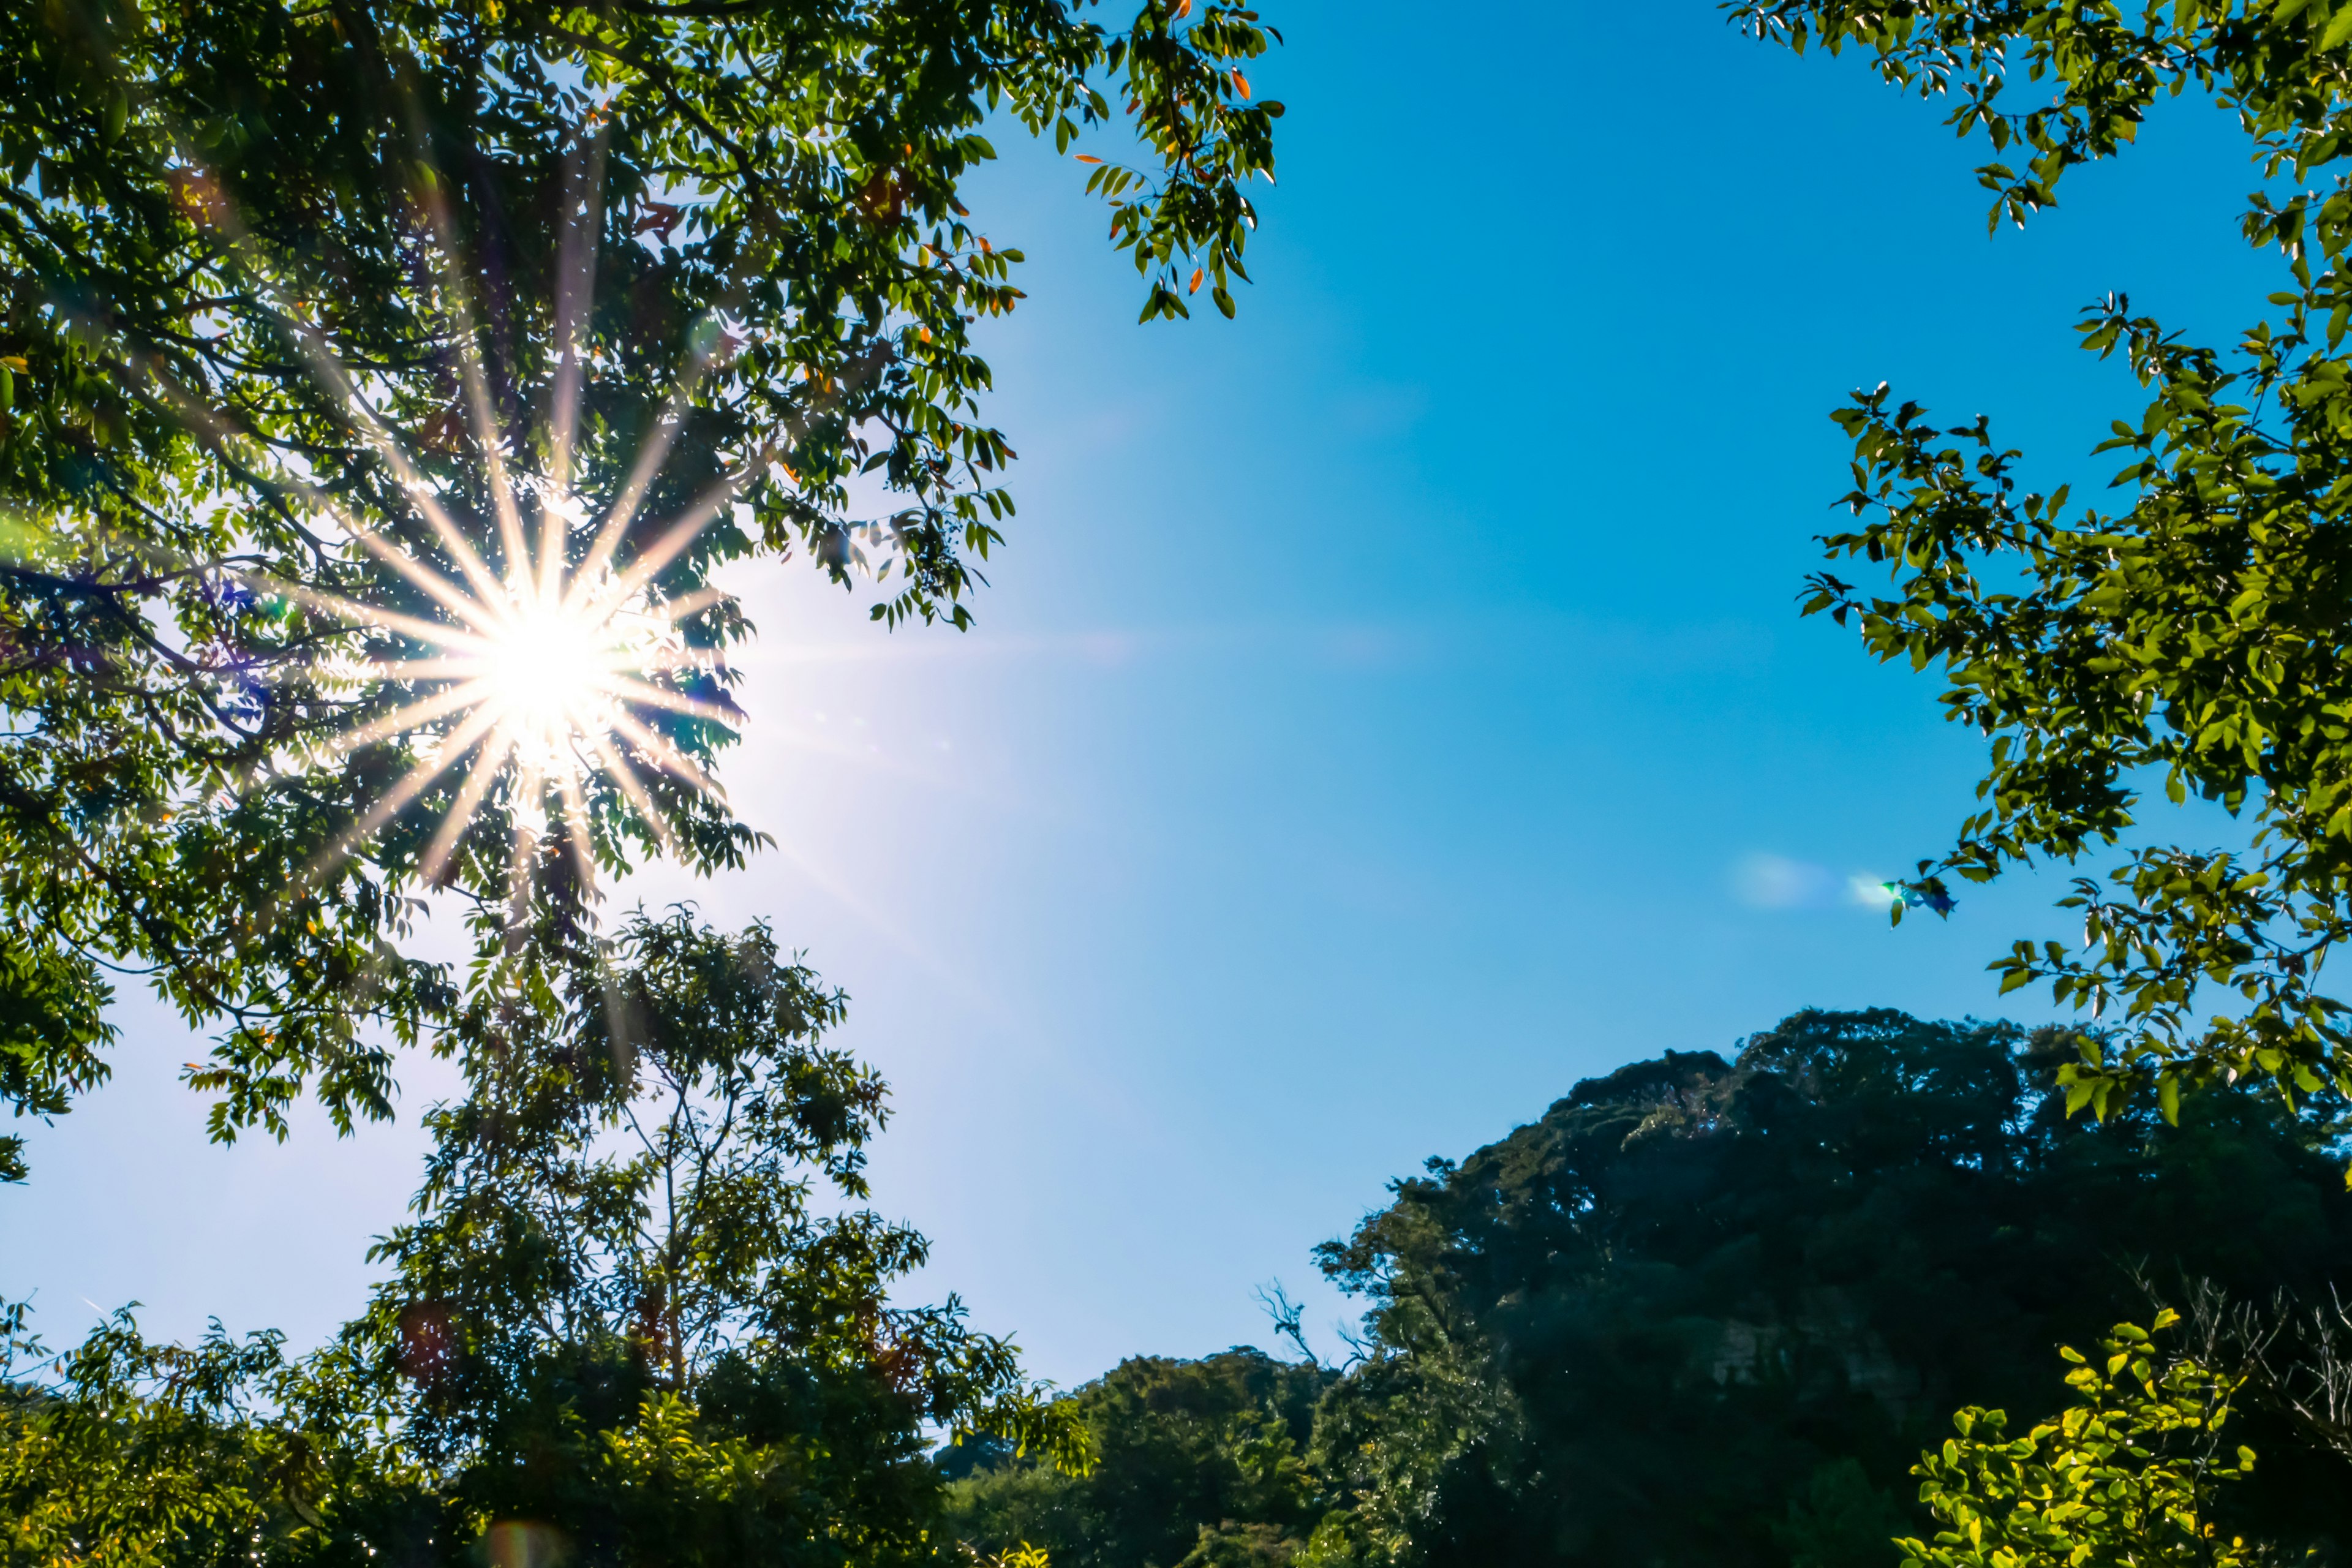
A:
<point x="1828" y="1334"/>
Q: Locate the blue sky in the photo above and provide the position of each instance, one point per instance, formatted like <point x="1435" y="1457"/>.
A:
<point x="1391" y="706"/>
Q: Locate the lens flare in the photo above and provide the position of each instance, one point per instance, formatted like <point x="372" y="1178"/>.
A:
<point x="537" y="676"/>
<point x="551" y="647"/>
<point x="547" y="652"/>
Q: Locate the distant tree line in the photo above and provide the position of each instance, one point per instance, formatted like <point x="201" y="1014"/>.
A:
<point x="1714" y="1311"/>
<point x="1702" y="1311"/>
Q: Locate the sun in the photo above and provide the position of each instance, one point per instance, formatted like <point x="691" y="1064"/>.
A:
<point x="544" y="676"/>
<point x="550" y="653"/>
<point x="549" y="671"/>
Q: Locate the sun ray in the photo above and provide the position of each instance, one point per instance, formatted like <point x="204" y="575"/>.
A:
<point x="650" y="457"/>
<point x="528" y="788"/>
<point x="635" y="691"/>
<point x="466" y="341"/>
<point x="665" y="756"/>
<point x="415" y="782"/>
<point x="703" y="342"/>
<point x="430" y="193"/>
<point x="444" y="668"/>
<point x="576" y="285"/>
<point x="683" y="531"/>
<point x="193" y="415"/>
<point x="411" y="716"/>
<point x="308" y="342"/>
<point x="634" y="789"/>
<point x="378" y="435"/>
<point x="584" y="862"/>
<point x="444" y="592"/>
<point x="575" y="811"/>
<point x="693" y="604"/>
<point x="617" y="1034"/>
<point x="412" y="480"/>
<point x="528" y="665"/>
<point x="311" y="598"/>
<point x="489" y="762"/>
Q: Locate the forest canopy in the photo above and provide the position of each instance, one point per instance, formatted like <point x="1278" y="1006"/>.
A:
<point x="1713" y="1310"/>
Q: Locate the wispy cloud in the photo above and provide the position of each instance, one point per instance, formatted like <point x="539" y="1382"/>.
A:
<point x="1767" y="882"/>
<point x="1775" y="882"/>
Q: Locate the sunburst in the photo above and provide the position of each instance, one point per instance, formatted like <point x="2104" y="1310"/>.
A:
<point x="537" y="677"/>
<point x="539" y="669"/>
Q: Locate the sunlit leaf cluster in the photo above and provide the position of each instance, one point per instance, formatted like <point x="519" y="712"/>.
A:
<point x="2127" y="1474"/>
<point x="2187" y="636"/>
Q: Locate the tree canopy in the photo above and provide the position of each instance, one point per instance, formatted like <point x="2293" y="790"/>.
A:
<point x="2185" y="637"/>
<point x="639" y="1316"/>
<point x="1713" y="1310"/>
<point x="1197" y="1464"/>
<point x="350" y="349"/>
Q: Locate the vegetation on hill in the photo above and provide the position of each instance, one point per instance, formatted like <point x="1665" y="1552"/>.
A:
<point x="1711" y="1310"/>
<point x="1198" y="1463"/>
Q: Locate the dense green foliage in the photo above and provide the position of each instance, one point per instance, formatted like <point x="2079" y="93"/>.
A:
<point x="352" y="353"/>
<point x="303" y="302"/>
<point x="1712" y="1312"/>
<point x="1659" y="1318"/>
<point x="2126" y="1474"/>
<point x="2191" y="636"/>
<point x="625" y="1324"/>
<point x="1199" y="1464"/>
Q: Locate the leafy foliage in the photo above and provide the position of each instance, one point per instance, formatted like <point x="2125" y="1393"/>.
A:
<point x="1199" y="1464"/>
<point x="284" y="302"/>
<point x="1710" y="1310"/>
<point x="623" y="1328"/>
<point x="2189" y="638"/>
<point x="139" y="1453"/>
<point x="2126" y="1475"/>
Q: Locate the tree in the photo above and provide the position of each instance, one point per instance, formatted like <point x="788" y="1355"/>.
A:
<point x="670" y="1341"/>
<point x="625" y="1325"/>
<point x="381" y="381"/>
<point x="137" y="1453"/>
<point x="1198" y="1464"/>
<point x="1711" y="1310"/>
<point x="2128" y="1475"/>
<point x="2187" y="639"/>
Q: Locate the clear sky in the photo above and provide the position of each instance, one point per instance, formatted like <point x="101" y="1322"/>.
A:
<point x="1391" y="707"/>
